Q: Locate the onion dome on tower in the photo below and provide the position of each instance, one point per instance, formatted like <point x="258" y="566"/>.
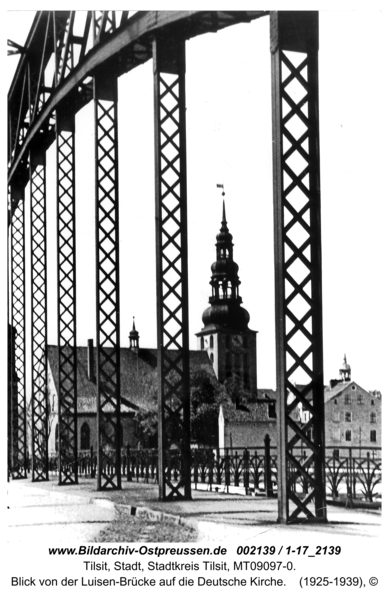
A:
<point x="345" y="370"/>
<point x="226" y="337"/>
<point x="225" y="308"/>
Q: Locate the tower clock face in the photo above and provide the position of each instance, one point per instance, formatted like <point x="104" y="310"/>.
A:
<point x="236" y="341"/>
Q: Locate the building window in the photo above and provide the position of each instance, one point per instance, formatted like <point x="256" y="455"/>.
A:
<point x="211" y="341"/>
<point x="348" y="435"/>
<point x="85" y="437"/>
<point x="347" y="417"/>
<point x="373" y="435"/>
<point x="347" y="399"/>
<point x="56" y="437"/>
<point x="372" y="402"/>
<point x="359" y="398"/>
<point x="202" y="343"/>
<point x="336" y="416"/>
<point x="336" y="453"/>
<point x="373" y="417"/>
<point x="336" y="401"/>
<point x="272" y="410"/>
<point x="211" y="357"/>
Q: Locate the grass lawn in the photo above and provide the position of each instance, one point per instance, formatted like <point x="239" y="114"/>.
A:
<point x="126" y="528"/>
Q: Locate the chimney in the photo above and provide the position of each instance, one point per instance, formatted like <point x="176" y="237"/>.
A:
<point x="91" y="361"/>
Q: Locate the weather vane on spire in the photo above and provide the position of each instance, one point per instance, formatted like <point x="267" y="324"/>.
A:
<point x="221" y="185"/>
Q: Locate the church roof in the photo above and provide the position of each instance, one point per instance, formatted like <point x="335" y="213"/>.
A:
<point x="138" y="376"/>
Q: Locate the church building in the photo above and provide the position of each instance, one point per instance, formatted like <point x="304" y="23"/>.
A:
<point x="227" y="351"/>
<point x="231" y="345"/>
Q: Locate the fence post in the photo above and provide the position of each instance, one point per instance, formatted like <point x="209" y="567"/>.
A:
<point x="246" y="472"/>
<point x="349" y="500"/>
<point x="227" y="471"/>
<point x="267" y="469"/>
<point x="128" y="462"/>
<point x="92" y="471"/>
<point x="211" y="460"/>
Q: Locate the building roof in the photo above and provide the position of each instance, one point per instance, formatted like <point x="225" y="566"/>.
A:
<point x="341" y="386"/>
<point x="266" y="394"/>
<point x="138" y="376"/>
<point x="254" y="411"/>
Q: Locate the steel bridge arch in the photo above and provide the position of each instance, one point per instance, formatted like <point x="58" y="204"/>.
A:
<point x="86" y="67"/>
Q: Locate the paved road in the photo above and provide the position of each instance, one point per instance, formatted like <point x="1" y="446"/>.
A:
<point x="35" y="513"/>
<point x="76" y="514"/>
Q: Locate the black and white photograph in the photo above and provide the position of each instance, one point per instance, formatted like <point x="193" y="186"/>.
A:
<point x="196" y="300"/>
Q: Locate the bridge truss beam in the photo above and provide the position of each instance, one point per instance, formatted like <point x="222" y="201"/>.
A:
<point x="39" y="404"/>
<point x="172" y="264"/>
<point x="107" y="281"/>
<point x="66" y="297"/>
<point x="17" y="395"/>
<point x="299" y="330"/>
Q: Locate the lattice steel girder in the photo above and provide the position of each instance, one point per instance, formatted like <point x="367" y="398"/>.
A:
<point x="16" y="348"/>
<point x="66" y="297"/>
<point x="299" y="331"/>
<point x="39" y="401"/>
<point x="172" y="263"/>
<point x="107" y="282"/>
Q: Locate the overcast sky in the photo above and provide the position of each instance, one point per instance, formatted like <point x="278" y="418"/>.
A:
<point x="229" y="141"/>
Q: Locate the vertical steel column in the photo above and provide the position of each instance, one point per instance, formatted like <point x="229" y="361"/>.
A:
<point x="107" y="282"/>
<point x="299" y="335"/>
<point x="40" y="412"/>
<point x="17" y="350"/>
<point x="172" y="264"/>
<point x="66" y="297"/>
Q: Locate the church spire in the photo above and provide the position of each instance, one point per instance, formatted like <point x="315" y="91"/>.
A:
<point x="225" y="309"/>
<point x="134" y="338"/>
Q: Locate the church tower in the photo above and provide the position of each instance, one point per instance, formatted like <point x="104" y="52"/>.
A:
<point x="231" y="345"/>
<point x="345" y="370"/>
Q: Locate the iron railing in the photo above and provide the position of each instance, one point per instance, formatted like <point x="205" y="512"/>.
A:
<point x="352" y="473"/>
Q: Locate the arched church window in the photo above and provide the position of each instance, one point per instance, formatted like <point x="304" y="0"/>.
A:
<point x="211" y="341"/>
<point x="202" y="343"/>
<point x="227" y="253"/>
<point x="56" y="437"/>
<point x="85" y="436"/>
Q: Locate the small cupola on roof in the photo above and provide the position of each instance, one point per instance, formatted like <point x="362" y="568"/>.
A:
<point x="345" y="370"/>
<point x="134" y="338"/>
<point x="225" y="308"/>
